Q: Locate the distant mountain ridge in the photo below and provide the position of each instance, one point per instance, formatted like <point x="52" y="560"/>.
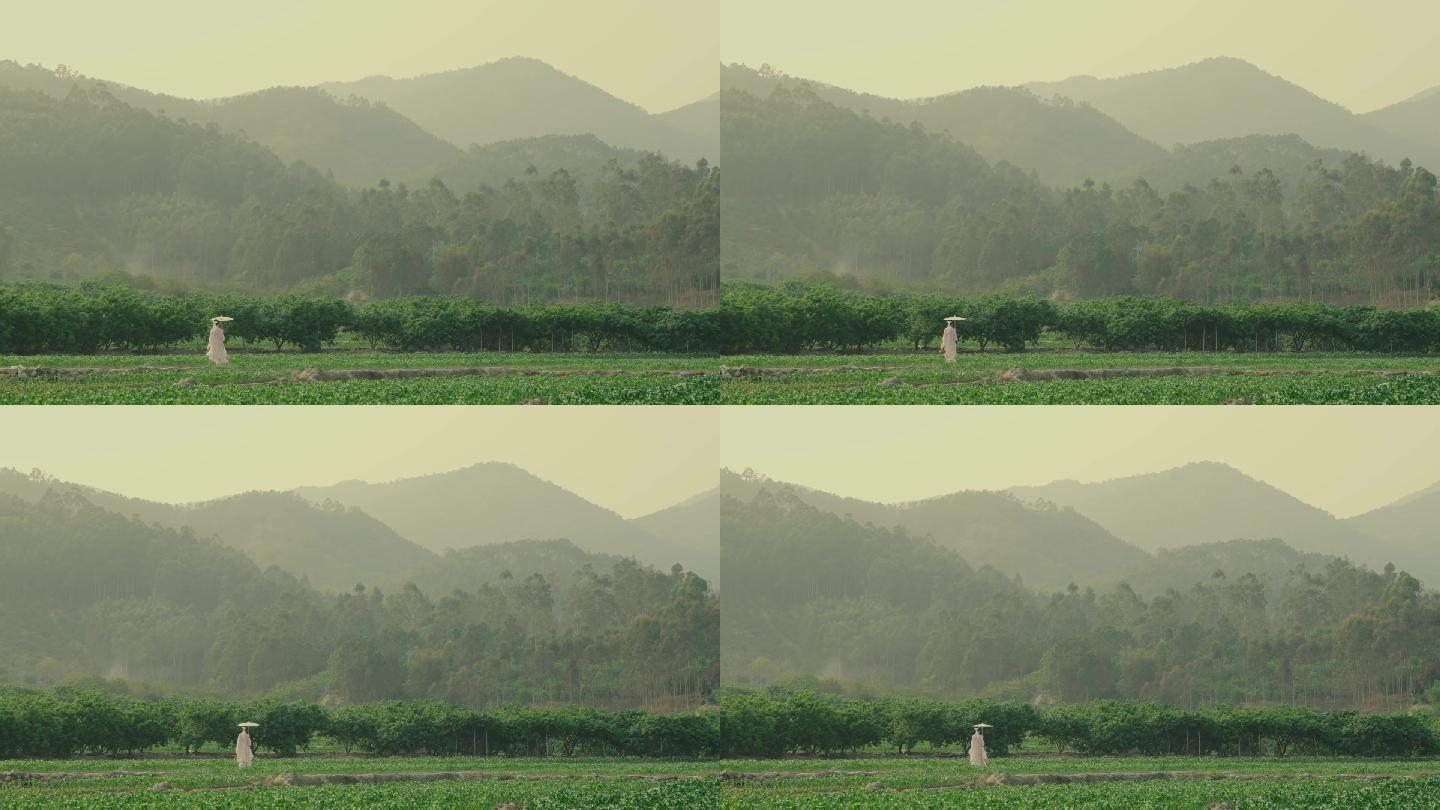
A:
<point x="1048" y="548"/>
<point x="1410" y="525"/>
<point x="360" y="142"/>
<point x="362" y="133"/>
<point x="335" y="548"/>
<point x="1224" y="97"/>
<point x="697" y="520"/>
<point x="1207" y="502"/>
<point x="1147" y="124"/>
<point x="1063" y="142"/>
<point x="497" y="502"/>
<point x="312" y="532"/>
<point x="519" y="97"/>
<point x="1195" y="503"/>
<point x="1154" y="530"/>
<point x="1416" y="117"/>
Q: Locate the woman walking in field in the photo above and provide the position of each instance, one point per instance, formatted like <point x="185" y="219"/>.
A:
<point x="949" y="339"/>
<point x="216" y="349"/>
<point x="244" y="753"/>
<point x="977" y="748"/>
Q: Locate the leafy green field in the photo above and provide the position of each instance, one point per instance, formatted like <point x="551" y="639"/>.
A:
<point x="952" y="782"/>
<point x="924" y="378"/>
<point x="216" y="782"/>
<point x="265" y="378"/>
<point x="880" y="782"/>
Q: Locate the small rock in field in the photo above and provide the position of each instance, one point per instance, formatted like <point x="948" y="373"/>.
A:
<point x="534" y="402"/>
<point x="890" y="382"/>
<point x="188" y="382"/>
<point x="1240" y="401"/>
<point x="873" y="786"/>
<point x="160" y="786"/>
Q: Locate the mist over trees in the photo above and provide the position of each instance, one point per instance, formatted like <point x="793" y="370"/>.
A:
<point x="88" y="592"/>
<point x="829" y="599"/>
<point x="817" y="187"/>
<point x="93" y="187"/>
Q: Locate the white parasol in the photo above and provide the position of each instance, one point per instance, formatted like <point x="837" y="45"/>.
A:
<point x="248" y="725"/>
<point x="956" y="318"/>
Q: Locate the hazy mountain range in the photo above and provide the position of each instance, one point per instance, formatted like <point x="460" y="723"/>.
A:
<point x="1156" y="530"/>
<point x="413" y="129"/>
<point x="522" y="98"/>
<point x="442" y="531"/>
<point x="1116" y="129"/>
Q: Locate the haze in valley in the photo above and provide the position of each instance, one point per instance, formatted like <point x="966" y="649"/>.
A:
<point x="1195" y="556"/>
<point x="360" y="543"/>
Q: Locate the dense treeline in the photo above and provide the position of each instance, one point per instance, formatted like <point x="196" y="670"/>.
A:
<point x="780" y="721"/>
<point x="89" y="184"/>
<point x="798" y="316"/>
<point x="815" y="187"/>
<point x="90" y="317"/>
<point x="814" y="594"/>
<point x="68" y="721"/>
<point x="84" y="591"/>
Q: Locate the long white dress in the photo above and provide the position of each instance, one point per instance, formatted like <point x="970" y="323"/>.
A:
<point x="216" y="350"/>
<point x="947" y="343"/>
<point x="244" y="754"/>
<point x="977" y="751"/>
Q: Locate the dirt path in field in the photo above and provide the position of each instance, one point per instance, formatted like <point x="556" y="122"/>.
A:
<point x="1001" y="778"/>
<point x="332" y="375"/>
<point x="51" y="776"/>
<point x="1042" y="374"/>
<point x="761" y="372"/>
<point x="75" y="372"/>
<point x="755" y="373"/>
<point x="293" y="779"/>
<point x="761" y="776"/>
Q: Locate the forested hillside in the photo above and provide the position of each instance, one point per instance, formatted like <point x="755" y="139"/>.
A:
<point x="1045" y="547"/>
<point x="1062" y="142"/>
<point x="90" y="185"/>
<point x="360" y="142"/>
<point x="441" y="531"/>
<point x="815" y="595"/>
<point x="89" y="592"/>
<point x="817" y="187"/>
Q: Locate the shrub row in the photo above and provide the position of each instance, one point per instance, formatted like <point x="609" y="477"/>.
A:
<point x="793" y="317"/>
<point x="778" y="722"/>
<point x="750" y="724"/>
<point x="44" y="318"/>
<point x="41" y="318"/>
<point x="62" y="723"/>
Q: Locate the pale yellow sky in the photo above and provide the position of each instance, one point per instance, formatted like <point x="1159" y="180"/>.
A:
<point x="1361" y="55"/>
<point x="1346" y="460"/>
<point x="631" y="459"/>
<point x="660" y="54"/>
